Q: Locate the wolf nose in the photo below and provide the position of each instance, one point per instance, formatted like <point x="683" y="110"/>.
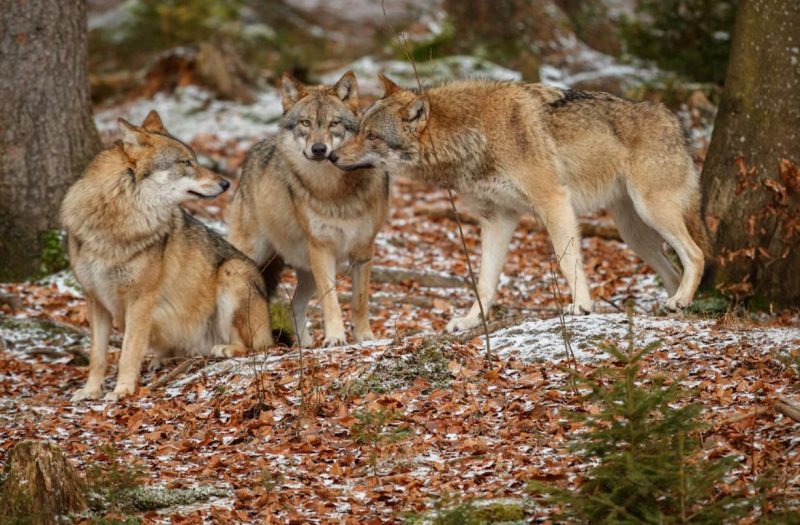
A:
<point x="224" y="184"/>
<point x="333" y="156"/>
<point x="319" y="149"/>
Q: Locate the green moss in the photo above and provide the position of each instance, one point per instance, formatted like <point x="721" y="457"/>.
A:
<point x="429" y="363"/>
<point x="452" y="510"/>
<point x="280" y="317"/>
<point x="54" y="253"/>
<point x="145" y="498"/>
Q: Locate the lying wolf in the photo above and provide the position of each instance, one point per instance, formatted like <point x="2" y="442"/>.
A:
<point x="161" y="276"/>
<point x="293" y="203"/>
<point x="510" y="148"/>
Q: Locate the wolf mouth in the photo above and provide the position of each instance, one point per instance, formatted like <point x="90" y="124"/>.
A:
<point x="203" y="195"/>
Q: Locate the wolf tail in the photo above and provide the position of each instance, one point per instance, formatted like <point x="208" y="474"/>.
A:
<point x="699" y="233"/>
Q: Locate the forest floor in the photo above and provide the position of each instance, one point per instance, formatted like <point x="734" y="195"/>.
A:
<point x="371" y="433"/>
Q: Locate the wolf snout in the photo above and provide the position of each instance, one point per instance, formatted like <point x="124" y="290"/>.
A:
<point x="224" y="184"/>
<point x="333" y="157"/>
<point x="319" y="150"/>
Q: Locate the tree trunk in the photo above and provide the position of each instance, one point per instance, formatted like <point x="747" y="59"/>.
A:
<point x="46" y="130"/>
<point x="39" y="485"/>
<point x="751" y="184"/>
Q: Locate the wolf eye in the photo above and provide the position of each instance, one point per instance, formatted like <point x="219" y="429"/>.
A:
<point x="305" y="123"/>
<point x="372" y="136"/>
<point x="187" y="162"/>
<point x="335" y="122"/>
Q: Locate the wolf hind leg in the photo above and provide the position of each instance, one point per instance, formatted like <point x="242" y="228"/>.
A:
<point x="645" y="241"/>
<point x="243" y="309"/>
<point x="496" y="234"/>
<point x="306" y="286"/>
<point x="663" y="211"/>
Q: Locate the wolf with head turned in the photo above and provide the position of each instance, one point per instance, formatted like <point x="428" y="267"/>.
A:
<point x="168" y="282"/>
<point x="511" y="148"/>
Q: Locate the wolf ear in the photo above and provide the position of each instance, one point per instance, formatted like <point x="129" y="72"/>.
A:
<point x="347" y="89"/>
<point x="132" y="137"/>
<point x="389" y="87"/>
<point x="152" y="122"/>
<point x="416" y="114"/>
<point x="292" y="90"/>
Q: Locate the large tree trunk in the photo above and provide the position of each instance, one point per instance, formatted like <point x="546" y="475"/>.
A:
<point x="751" y="184"/>
<point x="46" y="130"/>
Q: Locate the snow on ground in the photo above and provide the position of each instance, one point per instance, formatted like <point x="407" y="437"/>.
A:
<point x="543" y="339"/>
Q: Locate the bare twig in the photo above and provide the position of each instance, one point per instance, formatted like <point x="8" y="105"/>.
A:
<point x="473" y="281"/>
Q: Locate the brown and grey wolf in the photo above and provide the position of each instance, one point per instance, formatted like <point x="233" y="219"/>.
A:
<point x="161" y="276"/>
<point x="510" y="148"/>
<point x="293" y="203"/>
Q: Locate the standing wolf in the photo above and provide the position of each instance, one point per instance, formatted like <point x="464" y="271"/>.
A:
<point x="295" y="204"/>
<point x="160" y="275"/>
<point x="509" y="148"/>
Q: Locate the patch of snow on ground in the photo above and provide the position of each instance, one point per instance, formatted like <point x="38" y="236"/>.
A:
<point x="541" y="340"/>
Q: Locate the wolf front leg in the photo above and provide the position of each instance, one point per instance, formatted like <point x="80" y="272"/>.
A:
<point x="138" y="323"/>
<point x="361" y="275"/>
<point x="496" y="233"/>
<point x="100" y="321"/>
<point x="323" y="266"/>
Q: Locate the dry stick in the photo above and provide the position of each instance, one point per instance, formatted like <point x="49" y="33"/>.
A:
<point x="450" y="194"/>
<point x="788" y="408"/>
<point x="185" y="365"/>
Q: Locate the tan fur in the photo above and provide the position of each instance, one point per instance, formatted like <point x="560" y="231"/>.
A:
<point x="511" y="148"/>
<point x="147" y="266"/>
<point x="316" y="217"/>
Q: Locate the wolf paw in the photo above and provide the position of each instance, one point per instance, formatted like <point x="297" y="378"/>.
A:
<point x="364" y="335"/>
<point x="578" y="308"/>
<point x="155" y="364"/>
<point x="676" y="304"/>
<point x="305" y="339"/>
<point x="458" y="324"/>
<point x="119" y="392"/>
<point x="86" y="393"/>
<point x="335" y="340"/>
<point x="222" y="351"/>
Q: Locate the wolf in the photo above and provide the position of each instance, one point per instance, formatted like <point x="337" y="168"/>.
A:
<point x="146" y="265"/>
<point x="294" y="204"/>
<point x="509" y="148"/>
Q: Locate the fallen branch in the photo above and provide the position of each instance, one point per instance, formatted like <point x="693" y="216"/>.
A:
<point x="392" y="275"/>
<point x="468" y="335"/>
<point x="788" y="408"/>
<point x="602" y="230"/>
<point x="12" y="301"/>
<point x="748" y="414"/>
<point x="181" y="368"/>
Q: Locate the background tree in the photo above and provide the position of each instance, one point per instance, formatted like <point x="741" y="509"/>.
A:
<point x="751" y="183"/>
<point x="46" y="130"/>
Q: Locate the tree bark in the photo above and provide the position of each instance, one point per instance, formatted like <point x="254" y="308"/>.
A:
<point x="47" y="135"/>
<point x="40" y="485"/>
<point x="751" y="184"/>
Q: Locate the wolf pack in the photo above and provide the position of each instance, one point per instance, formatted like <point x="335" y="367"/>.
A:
<point x="315" y="196"/>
